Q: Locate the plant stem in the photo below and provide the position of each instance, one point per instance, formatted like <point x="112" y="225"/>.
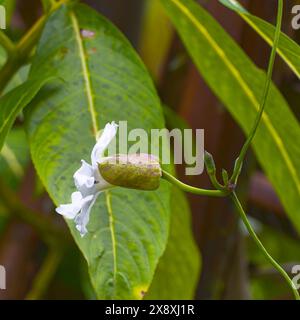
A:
<point x="22" y="50"/>
<point x="21" y="53"/>
<point x="247" y="144"/>
<point x="260" y="245"/>
<point x="47" y="4"/>
<point x="212" y="193"/>
<point x="215" y="182"/>
<point x="45" y="275"/>
<point x="6" y="43"/>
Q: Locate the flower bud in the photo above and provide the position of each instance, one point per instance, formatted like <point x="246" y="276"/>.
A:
<point x="134" y="171"/>
<point x="209" y="163"/>
<point x="225" y="176"/>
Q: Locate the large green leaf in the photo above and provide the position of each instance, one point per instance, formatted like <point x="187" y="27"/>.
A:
<point x="103" y="80"/>
<point x="13" y="103"/>
<point x="238" y="83"/>
<point x="288" y="49"/>
<point x="178" y="270"/>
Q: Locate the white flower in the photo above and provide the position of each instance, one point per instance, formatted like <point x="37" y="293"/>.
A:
<point x="88" y="182"/>
<point x="71" y="210"/>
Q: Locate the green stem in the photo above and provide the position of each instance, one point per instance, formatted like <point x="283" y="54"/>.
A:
<point x="247" y="144"/>
<point x="21" y="54"/>
<point x="260" y="245"/>
<point x="215" y="182"/>
<point x="6" y="43"/>
<point x="48" y="4"/>
<point x="212" y="193"/>
<point x="212" y="171"/>
<point x="45" y="275"/>
<point x="23" y="49"/>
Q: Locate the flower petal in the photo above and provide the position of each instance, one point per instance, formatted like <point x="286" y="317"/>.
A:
<point x="68" y="210"/>
<point x="84" y="176"/>
<point x="83" y="218"/>
<point x="71" y="210"/>
<point x="88" y="182"/>
<point x="107" y="136"/>
<point x="76" y="196"/>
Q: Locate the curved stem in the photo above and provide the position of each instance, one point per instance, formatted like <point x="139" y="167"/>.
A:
<point x="215" y="182"/>
<point x="247" y="144"/>
<point x="260" y="245"/>
<point x="212" y="193"/>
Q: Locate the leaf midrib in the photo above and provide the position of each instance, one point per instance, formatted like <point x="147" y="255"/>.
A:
<point x="247" y="17"/>
<point x="86" y="73"/>
<point x="246" y="89"/>
<point x="93" y="113"/>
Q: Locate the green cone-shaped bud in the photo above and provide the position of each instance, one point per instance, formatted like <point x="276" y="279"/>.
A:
<point x="225" y="177"/>
<point x="209" y="163"/>
<point x="134" y="171"/>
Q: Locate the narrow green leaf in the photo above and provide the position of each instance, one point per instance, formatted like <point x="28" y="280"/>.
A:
<point x="14" y="156"/>
<point x="13" y="103"/>
<point x="238" y="83"/>
<point x="103" y="80"/>
<point x="288" y="49"/>
<point x="156" y="38"/>
<point x="177" y="273"/>
<point x="18" y="78"/>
